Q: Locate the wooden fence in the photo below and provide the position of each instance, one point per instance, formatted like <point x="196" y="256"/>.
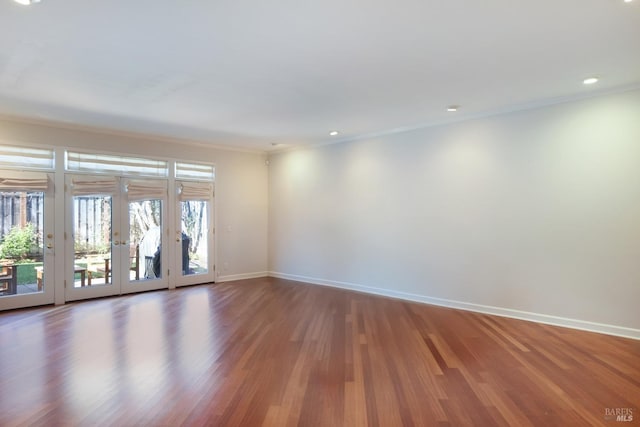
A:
<point x="18" y="209"/>
<point x="92" y="216"/>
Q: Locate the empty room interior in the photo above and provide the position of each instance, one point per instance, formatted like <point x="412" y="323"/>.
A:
<point x="319" y="213"/>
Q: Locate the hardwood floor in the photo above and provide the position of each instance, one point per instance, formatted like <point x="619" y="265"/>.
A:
<point x="277" y="353"/>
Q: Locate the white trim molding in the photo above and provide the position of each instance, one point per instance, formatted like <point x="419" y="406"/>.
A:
<point x="583" y="325"/>
<point x="243" y="276"/>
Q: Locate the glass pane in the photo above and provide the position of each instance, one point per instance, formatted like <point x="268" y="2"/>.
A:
<point x="21" y="242"/>
<point x="195" y="226"/>
<point x="145" y="239"/>
<point x="92" y="217"/>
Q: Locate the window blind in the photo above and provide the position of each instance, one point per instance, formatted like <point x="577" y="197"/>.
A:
<point x="195" y="191"/>
<point x="29" y="184"/>
<point x="117" y="165"/>
<point x="197" y="171"/>
<point x="25" y="157"/>
<point x="91" y="185"/>
<point x="146" y="189"/>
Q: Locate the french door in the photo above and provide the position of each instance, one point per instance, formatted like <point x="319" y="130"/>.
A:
<point x="115" y="235"/>
<point x="194" y="233"/>
<point x="117" y="227"/>
<point x="27" y="235"/>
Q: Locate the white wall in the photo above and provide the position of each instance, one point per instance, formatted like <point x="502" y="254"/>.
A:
<point x="241" y="186"/>
<point x="533" y="214"/>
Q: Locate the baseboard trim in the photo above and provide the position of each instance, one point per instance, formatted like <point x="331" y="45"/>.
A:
<point x="243" y="276"/>
<point x="619" y="331"/>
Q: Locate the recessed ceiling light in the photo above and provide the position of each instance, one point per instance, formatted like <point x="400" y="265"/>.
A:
<point x="26" y="2"/>
<point x="334" y="133"/>
<point x="590" y="80"/>
<point x="628" y="1"/>
<point x="453" y="108"/>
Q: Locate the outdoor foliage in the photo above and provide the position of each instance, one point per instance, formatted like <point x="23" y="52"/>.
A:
<point x="143" y="216"/>
<point x="193" y="217"/>
<point x="27" y="272"/>
<point x="18" y="242"/>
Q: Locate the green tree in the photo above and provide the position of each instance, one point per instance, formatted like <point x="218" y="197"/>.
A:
<point x="18" y="242"/>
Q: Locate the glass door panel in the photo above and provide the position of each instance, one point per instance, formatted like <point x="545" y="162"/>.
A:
<point x="90" y="269"/>
<point x="194" y="244"/>
<point x="22" y="247"/>
<point x="145" y="256"/>
<point x="92" y="249"/>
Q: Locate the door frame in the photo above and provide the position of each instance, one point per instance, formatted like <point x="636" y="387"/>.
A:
<point x="47" y="296"/>
<point x="210" y="275"/>
<point x="87" y="292"/>
<point x="119" y="261"/>
<point x="126" y="284"/>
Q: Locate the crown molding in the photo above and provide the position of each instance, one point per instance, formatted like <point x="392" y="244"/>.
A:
<point x="125" y="134"/>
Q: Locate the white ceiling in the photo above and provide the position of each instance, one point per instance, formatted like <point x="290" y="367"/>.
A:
<point x="248" y="73"/>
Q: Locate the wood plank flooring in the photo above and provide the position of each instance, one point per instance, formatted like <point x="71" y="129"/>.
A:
<point x="270" y="352"/>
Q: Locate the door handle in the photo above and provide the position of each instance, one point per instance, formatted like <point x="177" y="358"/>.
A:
<point x="49" y="246"/>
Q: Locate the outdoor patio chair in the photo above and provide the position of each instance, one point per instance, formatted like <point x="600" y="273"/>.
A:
<point x="134" y="265"/>
<point x="8" y="279"/>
